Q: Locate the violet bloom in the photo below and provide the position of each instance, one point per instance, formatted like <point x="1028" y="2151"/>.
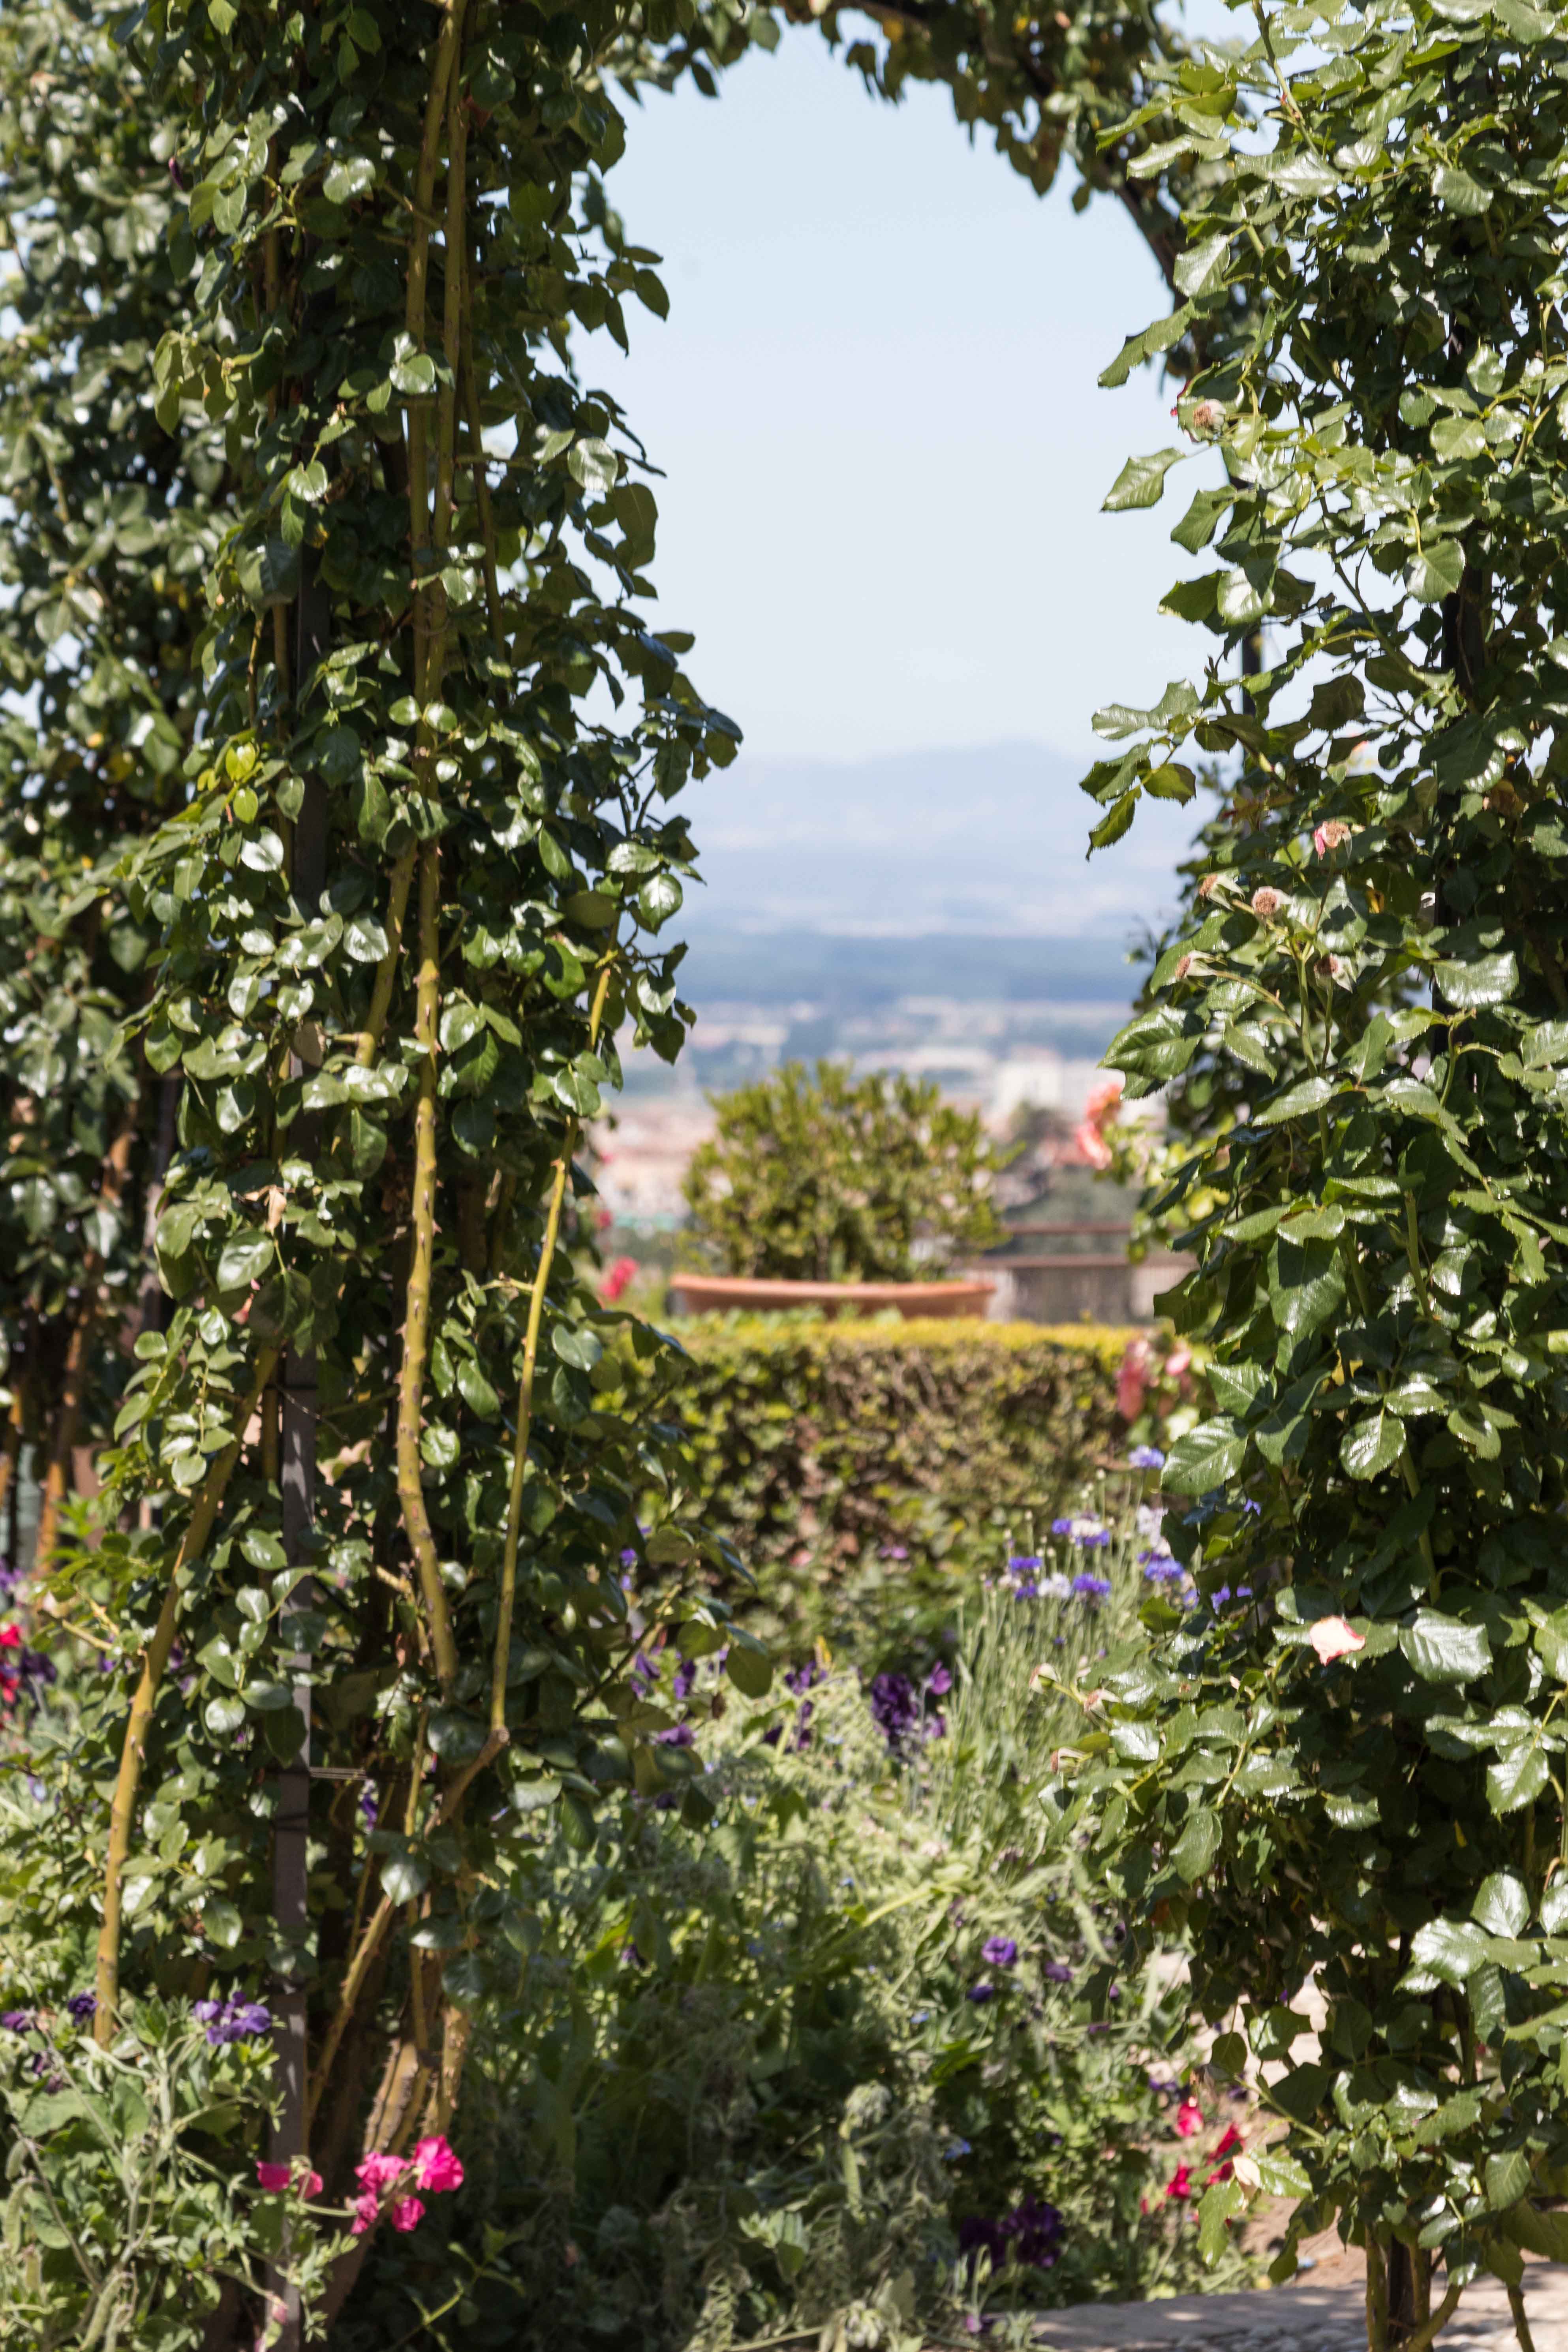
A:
<point x="82" y="2006"/>
<point x="999" y="1952"/>
<point x="1031" y="2234"/>
<point x="800" y="1679"/>
<point x="232" y="2019"/>
<point x="981" y="1993"/>
<point x="16" y="2021"/>
<point x="939" y="1681"/>
<point x="1057" y="1972"/>
<point x="685" y="1679"/>
<point x="895" y="1708"/>
<point x="1091" y="1587"/>
<point x="679" y="1735"/>
<point x="1146" y="1457"/>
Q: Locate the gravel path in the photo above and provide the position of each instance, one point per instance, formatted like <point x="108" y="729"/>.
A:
<point x="1304" y="2317"/>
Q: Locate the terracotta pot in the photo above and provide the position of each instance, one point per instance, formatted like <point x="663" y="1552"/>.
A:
<point x="718" y="1294"/>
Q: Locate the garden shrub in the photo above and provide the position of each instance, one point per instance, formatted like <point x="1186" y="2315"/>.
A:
<point x="865" y="1471"/>
<point x="858" y="2035"/>
<point x="839" y="1178"/>
<point x="1360" y="1776"/>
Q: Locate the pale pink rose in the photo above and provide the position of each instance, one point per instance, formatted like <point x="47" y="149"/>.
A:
<point x="1189" y="2118"/>
<point x="1330" y="836"/>
<point x="1267" y="903"/>
<point x="1133" y="1380"/>
<point x="1091" y="1145"/>
<point x="272" y="2176"/>
<point x="437" y="2165"/>
<point x="1332" y="1638"/>
<point x="407" y="2214"/>
<point x="1104" y="1099"/>
<point x="367" y="2209"/>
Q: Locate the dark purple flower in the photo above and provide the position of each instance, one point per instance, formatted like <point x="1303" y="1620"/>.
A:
<point x="369" y="1807"/>
<point x="16" y="2021"/>
<point x="1091" y="1587"/>
<point x="800" y="1679"/>
<point x="645" y="1672"/>
<point x="1030" y="2234"/>
<point x="679" y="1735"/>
<point x="82" y="2006"/>
<point x="981" y="1993"/>
<point x="1057" y="1972"/>
<point x="685" y="1679"/>
<point x="232" y="2019"/>
<point x="999" y="1952"/>
<point x="252" y="2018"/>
<point x="895" y="1705"/>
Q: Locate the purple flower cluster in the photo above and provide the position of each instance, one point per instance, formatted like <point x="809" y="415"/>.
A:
<point x="1091" y="1587"/>
<point x="1030" y="2234"/>
<point x="232" y="2019"/>
<point x="898" y="1706"/>
<point x="1086" y="1534"/>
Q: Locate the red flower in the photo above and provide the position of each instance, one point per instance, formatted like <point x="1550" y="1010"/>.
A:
<point x="1180" y="2184"/>
<point x="10" y="1637"/>
<point x="1189" y="2118"/>
<point x="1230" y="2143"/>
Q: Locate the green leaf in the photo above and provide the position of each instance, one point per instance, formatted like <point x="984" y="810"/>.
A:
<point x="1450" y="1949"/>
<point x="1196" y="1849"/>
<point x="1437" y="571"/>
<point x="1457" y="192"/>
<point x="1373" y="1445"/>
<point x="1508" y="2177"/>
<point x="1140" y="482"/>
<point x="355" y="177"/>
<point x="1503" y="1904"/>
<point x="1517" y="1778"/>
<point x="1297" y="1101"/>
<point x="1201" y="265"/>
<point x="404" y="1877"/>
<point x="577" y="1345"/>
<point x="1479" y="980"/>
<point x="246" y="1259"/>
<point x="1205" y="1457"/>
<point x="592" y="464"/>
<point x="1445" y="1648"/>
<point x="749" y="1666"/>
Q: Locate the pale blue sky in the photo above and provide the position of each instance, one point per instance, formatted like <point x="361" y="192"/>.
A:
<point x="875" y="402"/>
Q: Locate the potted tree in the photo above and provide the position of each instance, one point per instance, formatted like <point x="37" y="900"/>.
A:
<point x="850" y="1195"/>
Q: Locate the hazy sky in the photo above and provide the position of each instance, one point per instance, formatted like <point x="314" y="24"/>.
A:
<point x="875" y="402"/>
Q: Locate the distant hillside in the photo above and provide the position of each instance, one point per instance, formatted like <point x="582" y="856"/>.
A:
<point x="976" y="841"/>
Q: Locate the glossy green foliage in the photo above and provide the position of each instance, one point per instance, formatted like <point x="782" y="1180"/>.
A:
<point x="111" y="530"/>
<point x="1376" y="953"/>
<point x="396" y="902"/>
<point x="835" y="1179"/>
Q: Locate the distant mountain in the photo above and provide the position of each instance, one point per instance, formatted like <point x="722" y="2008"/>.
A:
<point x="988" y="840"/>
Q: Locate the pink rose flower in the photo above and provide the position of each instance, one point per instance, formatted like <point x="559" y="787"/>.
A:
<point x="1090" y="1144"/>
<point x="437" y="2165"/>
<point x="367" y="2211"/>
<point x="1332" y="1638"/>
<point x="407" y="2214"/>
<point x="1189" y="2118"/>
<point x="379" y="2170"/>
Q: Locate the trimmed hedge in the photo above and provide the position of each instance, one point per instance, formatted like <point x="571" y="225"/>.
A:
<point x="867" y="1471"/>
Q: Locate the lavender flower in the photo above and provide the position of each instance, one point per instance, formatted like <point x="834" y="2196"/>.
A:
<point x="1057" y="1972"/>
<point x="1091" y="1587"/>
<point x="232" y="2019"/>
<point x="939" y="1681"/>
<point x="999" y="1952"/>
<point x="685" y="1679"/>
<point x="679" y="1735"/>
<point x="16" y="2021"/>
<point x="1146" y="1457"/>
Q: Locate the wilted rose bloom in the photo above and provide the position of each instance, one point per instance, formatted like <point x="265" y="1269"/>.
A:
<point x="1330" y="968"/>
<point x="1184" y="966"/>
<point x="1331" y="834"/>
<point x="1267" y="903"/>
<point x="1332" y="1638"/>
<point x="1206" y="417"/>
<point x="1209" y="884"/>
